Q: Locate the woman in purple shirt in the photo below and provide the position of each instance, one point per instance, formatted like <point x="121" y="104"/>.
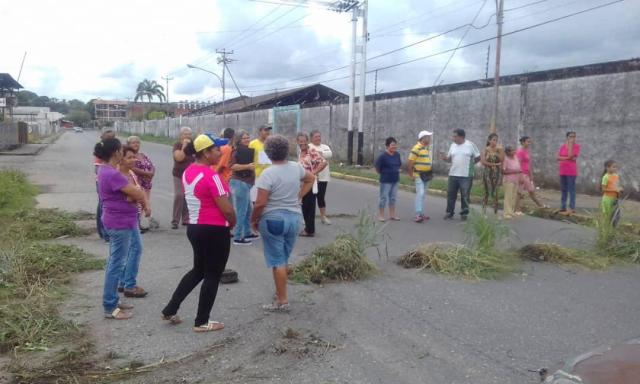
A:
<point x="120" y="218"/>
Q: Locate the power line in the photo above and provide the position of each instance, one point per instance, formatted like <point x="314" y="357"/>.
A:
<point x="271" y="33"/>
<point x="460" y="42"/>
<point x="266" y="25"/>
<point x="504" y="34"/>
<point x="447" y="50"/>
<point x="252" y="25"/>
<point x="525" y="5"/>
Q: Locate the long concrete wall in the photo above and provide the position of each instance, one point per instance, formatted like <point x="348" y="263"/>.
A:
<point x="604" y="110"/>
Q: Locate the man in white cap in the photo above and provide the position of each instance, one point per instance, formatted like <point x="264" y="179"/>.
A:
<point x="420" y="163"/>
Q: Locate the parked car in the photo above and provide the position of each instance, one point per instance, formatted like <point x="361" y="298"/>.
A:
<point x="78" y="129"/>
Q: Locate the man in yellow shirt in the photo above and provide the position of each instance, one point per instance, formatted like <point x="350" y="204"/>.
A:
<point x="419" y="166"/>
<point x="260" y="158"/>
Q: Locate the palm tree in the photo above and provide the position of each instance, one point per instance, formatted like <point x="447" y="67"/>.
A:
<point x="150" y="89"/>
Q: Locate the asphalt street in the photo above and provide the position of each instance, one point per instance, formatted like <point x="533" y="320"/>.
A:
<point x="401" y="326"/>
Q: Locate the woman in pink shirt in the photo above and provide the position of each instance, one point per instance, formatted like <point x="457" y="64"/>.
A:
<point x="211" y="217"/>
<point x="568" y="170"/>
<point x="526" y="186"/>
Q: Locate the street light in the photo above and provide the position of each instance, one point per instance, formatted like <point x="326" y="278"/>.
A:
<point x="221" y="84"/>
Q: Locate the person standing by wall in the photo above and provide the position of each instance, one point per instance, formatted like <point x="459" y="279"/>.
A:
<point x="276" y="213"/>
<point x="527" y="185"/>
<point x="120" y="219"/>
<point x="180" y="162"/>
<point x="512" y="177"/>
<point x="260" y="159"/>
<point x="242" y="179"/>
<point x="388" y="166"/>
<point x="611" y="190"/>
<point x="312" y="162"/>
<point x="463" y="156"/>
<point x="223" y="167"/>
<point x="420" y="170"/>
<point x="324" y="176"/>
<point x="491" y="158"/>
<point x="568" y="171"/>
<point x="210" y="218"/>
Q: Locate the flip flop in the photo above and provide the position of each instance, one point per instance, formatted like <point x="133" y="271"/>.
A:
<point x="173" y="319"/>
<point x="118" y="314"/>
<point x="209" y="327"/>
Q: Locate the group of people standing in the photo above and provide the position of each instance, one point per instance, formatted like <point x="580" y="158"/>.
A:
<point x="501" y="166"/>
<point x="225" y="187"/>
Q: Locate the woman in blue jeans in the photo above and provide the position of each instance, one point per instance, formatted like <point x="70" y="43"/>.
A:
<point x="243" y="177"/>
<point x="276" y="213"/>
<point x="388" y="166"/>
<point x="120" y="218"/>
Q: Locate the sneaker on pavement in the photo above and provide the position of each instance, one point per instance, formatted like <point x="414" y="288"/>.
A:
<point x="242" y="242"/>
<point x="252" y="236"/>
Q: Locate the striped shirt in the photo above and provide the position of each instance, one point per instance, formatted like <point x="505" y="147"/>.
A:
<point x="202" y="186"/>
<point x="421" y="157"/>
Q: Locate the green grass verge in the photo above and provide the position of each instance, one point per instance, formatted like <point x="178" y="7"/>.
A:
<point x="34" y="277"/>
<point x="438" y="183"/>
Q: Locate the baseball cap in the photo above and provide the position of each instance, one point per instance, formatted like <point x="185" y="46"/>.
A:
<point x="267" y="126"/>
<point x="423" y="134"/>
<point x="207" y="140"/>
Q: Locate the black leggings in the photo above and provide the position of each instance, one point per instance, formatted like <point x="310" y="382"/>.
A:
<point x="309" y="212"/>
<point x="211" y="246"/>
<point x="322" y="190"/>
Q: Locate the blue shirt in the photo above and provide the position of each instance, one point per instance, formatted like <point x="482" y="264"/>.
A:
<point x="389" y="167"/>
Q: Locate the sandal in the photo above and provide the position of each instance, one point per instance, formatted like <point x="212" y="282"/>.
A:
<point x="275" y="307"/>
<point x="209" y="327"/>
<point x="173" y="319"/>
<point x="118" y="314"/>
<point x="305" y="234"/>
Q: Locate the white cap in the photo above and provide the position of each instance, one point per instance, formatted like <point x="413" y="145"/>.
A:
<point x="423" y="134"/>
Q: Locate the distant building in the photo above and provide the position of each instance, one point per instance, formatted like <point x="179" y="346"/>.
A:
<point x="110" y="110"/>
<point x="40" y="120"/>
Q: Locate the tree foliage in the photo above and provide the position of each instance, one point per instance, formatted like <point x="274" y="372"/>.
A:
<point x="149" y="89"/>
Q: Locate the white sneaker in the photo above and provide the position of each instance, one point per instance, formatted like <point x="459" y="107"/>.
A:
<point x="325" y="220"/>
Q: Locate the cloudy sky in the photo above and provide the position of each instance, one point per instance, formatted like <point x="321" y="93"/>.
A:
<point x="90" y="49"/>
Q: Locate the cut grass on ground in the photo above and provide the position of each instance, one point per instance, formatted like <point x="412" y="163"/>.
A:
<point x="33" y="278"/>
<point x="344" y="259"/>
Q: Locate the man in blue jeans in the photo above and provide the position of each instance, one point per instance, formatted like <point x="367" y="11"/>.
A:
<point x="463" y="156"/>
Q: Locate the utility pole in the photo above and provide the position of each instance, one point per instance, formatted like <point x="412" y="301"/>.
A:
<point x="352" y="88"/>
<point x="496" y="79"/>
<point x="486" y="67"/>
<point x="168" y="79"/>
<point x="224" y="60"/>
<point x="363" y="80"/>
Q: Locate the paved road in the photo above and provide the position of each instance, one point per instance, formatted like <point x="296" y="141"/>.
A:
<point x="402" y="326"/>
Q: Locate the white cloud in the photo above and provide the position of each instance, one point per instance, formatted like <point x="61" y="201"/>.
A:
<point x="85" y="49"/>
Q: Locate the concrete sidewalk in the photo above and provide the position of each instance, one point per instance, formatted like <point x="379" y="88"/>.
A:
<point x="25" y="150"/>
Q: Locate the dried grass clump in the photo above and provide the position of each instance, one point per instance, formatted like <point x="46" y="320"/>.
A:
<point x="460" y="261"/>
<point x="341" y="260"/>
<point x="554" y="253"/>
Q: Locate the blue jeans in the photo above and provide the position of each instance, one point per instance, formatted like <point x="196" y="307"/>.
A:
<point x="279" y="231"/>
<point x="421" y="189"/>
<point x="242" y="205"/>
<point x="463" y="185"/>
<point x="388" y="192"/>
<point x="102" y="231"/>
<point x="568" y="187"/>
<point x="125" y="249"/>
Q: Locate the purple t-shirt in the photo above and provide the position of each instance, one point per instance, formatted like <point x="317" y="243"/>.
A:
<point x="117" y="212"/>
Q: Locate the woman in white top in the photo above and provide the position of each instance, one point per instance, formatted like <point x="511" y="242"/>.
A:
<point x="324" y="176"/>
